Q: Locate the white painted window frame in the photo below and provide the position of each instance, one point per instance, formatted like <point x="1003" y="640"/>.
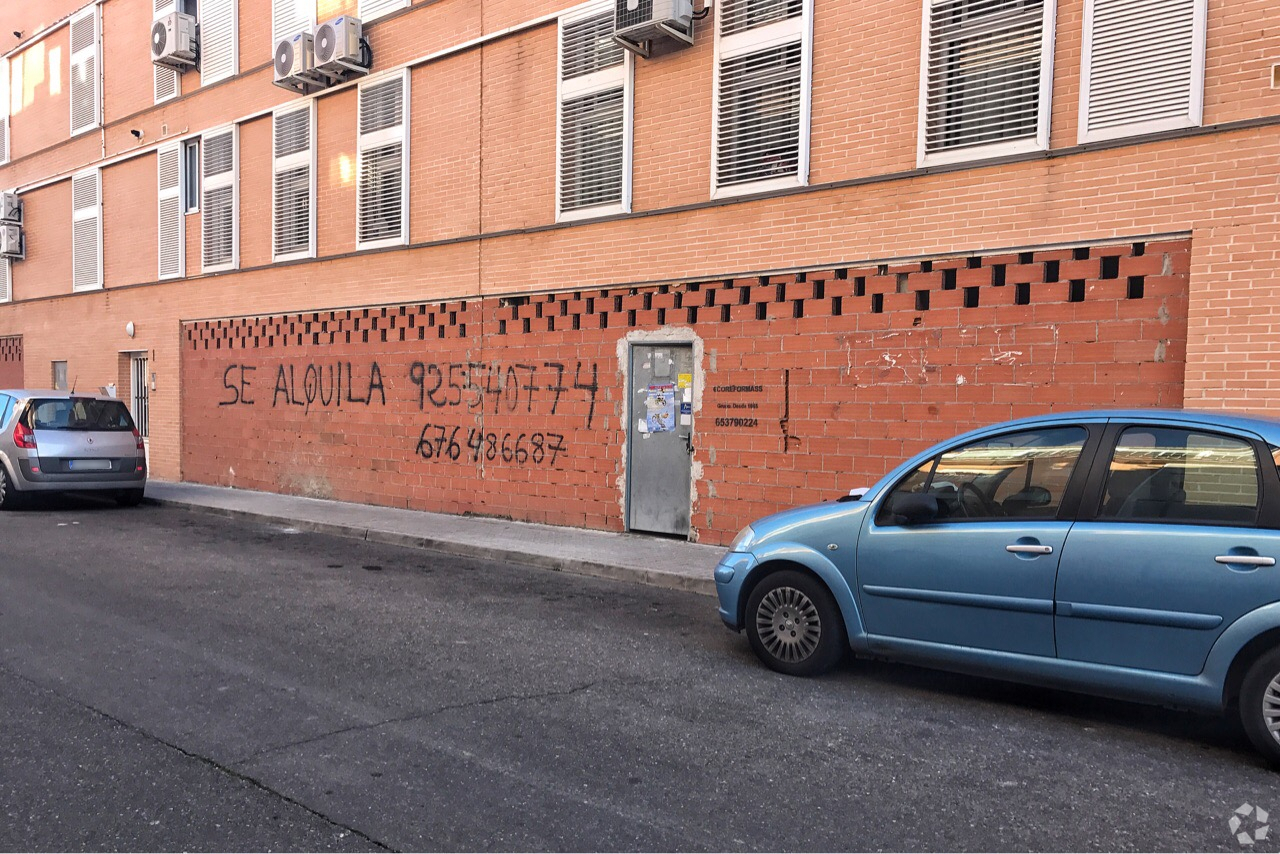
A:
<point x="1044" y="117"/>
<point x="1195" y="116"/>
<point x="163" y="194"/>
<point x="94" y="52"/>
<point x="379" y="138"/>
<point x="755" y="39"/>
<point x="81" y="214"/>
<point x="231" y="179"/>
<point x="372" y="10"/>
<point x="292" y="161"/>
<point x="609" y="78"/>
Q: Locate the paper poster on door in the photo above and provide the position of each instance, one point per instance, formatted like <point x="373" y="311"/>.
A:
<point x="660" y="406"/>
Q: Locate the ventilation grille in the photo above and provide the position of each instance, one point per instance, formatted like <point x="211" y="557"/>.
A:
<point x="292" y="132"/>
<point x="381" y="106"/>
<point x="591" y="150"/>
<point x="739" y="15"/>
<point x="588" y="47"/>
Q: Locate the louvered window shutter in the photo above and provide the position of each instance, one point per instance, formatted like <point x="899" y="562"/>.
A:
<point x="292" y="182"/>
<point x="164" y="80"/>
<point x="172" y="231"/>
<point x="370" y="9"/>
<point x="290" y="17"/>
<point x="381" y="197"/>
<point x="4" y="110"/>
<point x="86" y="88"/>
<point x="218" y="40"/>
<point x="595" y="116"/>
<point x="6" y="280"/>
<point x="986" y="70"/>
<point x="1143" y="67"/>
<point x="219" y="208"/>
<point x="86" y="230"/>
<point x="760" y="129"/>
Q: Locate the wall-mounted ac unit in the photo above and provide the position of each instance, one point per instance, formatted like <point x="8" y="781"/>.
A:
<point x="340" y="48"/>
<point x="295" y="64"/>
<point x="11" y="242"/>
<point x="10" y="208"/>
<point x="173" y="41"/>
<point x="636" y="23"/>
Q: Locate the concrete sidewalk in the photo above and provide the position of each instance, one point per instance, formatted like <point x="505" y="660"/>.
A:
<point x="623" y="557"/>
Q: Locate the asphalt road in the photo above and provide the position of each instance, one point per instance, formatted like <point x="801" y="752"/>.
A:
<point x="170" y="680"/>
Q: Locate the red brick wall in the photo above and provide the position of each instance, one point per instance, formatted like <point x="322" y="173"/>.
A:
<point x="855" y="367"/>
<point x="11" y="362"/>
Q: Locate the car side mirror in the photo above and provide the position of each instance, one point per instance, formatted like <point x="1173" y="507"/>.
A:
<point x="913" y="508"/>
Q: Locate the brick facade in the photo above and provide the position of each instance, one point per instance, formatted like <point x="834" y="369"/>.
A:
<point x="1191" y="316"/>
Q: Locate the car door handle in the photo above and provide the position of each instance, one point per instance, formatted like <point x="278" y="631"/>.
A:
<point x="1246" y="560"/>
<point x="1029" y="550"/>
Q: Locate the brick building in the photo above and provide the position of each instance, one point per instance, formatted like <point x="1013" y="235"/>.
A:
<point x="516" y="270"/>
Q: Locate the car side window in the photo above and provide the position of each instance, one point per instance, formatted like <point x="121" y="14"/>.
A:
<point x="1022" y="475"/>
<point x="1178" y="475"/>
<point x="6" y="406"/>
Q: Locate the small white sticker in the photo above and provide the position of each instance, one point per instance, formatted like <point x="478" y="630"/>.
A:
<point x="642" y="426"/>
<point x="686" y="420"/>
<point x="688" y="395"/>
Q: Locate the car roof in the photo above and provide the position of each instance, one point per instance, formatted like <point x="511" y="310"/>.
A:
<point x="25" y="393"/>
<point x="1265" y="426"/>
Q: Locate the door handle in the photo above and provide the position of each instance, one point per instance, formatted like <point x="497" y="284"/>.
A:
<point x="1029" y="550"/>
<point x="1246" y="560"/>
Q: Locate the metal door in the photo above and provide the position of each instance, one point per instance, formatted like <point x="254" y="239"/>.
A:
<point x="660" y="439"/>
<point x="139" y="384"/>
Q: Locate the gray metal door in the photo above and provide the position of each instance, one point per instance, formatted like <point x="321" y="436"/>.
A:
<point x="660" y="439"/>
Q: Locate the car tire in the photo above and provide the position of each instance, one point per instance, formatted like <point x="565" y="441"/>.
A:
<point x="129" y="497"/>
<point x="10" y="498"/>
<point x="794" y="624"/>
<point x="1259" y="705"/>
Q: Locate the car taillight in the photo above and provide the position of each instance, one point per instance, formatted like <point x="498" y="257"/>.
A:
<point x="137" y="437"/>
<point x="23" y="437"/>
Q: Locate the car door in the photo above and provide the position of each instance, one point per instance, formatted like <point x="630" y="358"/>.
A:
<point x="979" y="569"/>
<point x="1177" y="546"/>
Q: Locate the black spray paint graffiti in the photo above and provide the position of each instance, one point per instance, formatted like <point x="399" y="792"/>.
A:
<point x="320" y="385"/>
<point x="438" y="442"/>
<point x="469" y="384"/>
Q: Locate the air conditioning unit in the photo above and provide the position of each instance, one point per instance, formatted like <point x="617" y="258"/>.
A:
<point x="295" y="65"/>
<point x="11" y="244"/>
<point x="10" y="207"/>
<point x="636" y="23"/>
<point x="340" y="48"/>
<point x="173" y="41"/>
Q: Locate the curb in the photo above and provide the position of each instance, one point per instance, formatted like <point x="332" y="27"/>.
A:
<point x="592" y="569"/>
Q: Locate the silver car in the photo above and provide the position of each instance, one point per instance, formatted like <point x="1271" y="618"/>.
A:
<point x="55" y="441"/>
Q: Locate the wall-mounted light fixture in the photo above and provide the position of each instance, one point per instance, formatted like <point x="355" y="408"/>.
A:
<point x="129" y="329"/>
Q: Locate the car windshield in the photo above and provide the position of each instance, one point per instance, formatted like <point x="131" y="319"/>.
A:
<point x="79" y="413"/>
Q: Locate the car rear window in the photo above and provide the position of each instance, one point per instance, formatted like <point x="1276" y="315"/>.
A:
<point x="78" y="413"/>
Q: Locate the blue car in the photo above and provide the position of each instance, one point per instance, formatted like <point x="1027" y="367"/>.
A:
<point x="1128" y="554"/>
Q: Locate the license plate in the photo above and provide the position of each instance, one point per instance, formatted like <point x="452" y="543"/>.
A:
<point x="89" y="465"/>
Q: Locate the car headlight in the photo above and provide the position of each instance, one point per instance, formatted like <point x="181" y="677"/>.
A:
<point x="743" y="541"/>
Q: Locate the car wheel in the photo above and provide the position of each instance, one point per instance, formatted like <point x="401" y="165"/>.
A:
<point x="794" y="624"/>
<point x="129" y="497"/>
<point x="10" y="498"/>
<point x="1259" y="706"/>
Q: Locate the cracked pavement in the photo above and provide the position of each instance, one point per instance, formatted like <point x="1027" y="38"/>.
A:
<point x="174" y="681"/>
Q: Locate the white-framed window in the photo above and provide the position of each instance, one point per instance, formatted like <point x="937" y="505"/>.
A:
<point x="4" y="110"/>
<point x="219" y="41"/>
<point x="293" y="183"/>
<point x="761" y="96"/>
<point x="367" y="10"/>
<point x="986" y="79"/>
<point x="164" y="80"/>
<point x="86" y="74"/>
<point x="6" y="280"/>
<point x="1142" y="70"/>
<point x="220" y="200"/>
<point x="594" y="116"/>
<point x="58" y="372"/>
<point x="290" y="17"/>
<point x="191" y="176"/>
<point x="172" y="232"/>
<point x="382" y="192"/>
<point x="86" y="230"/>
